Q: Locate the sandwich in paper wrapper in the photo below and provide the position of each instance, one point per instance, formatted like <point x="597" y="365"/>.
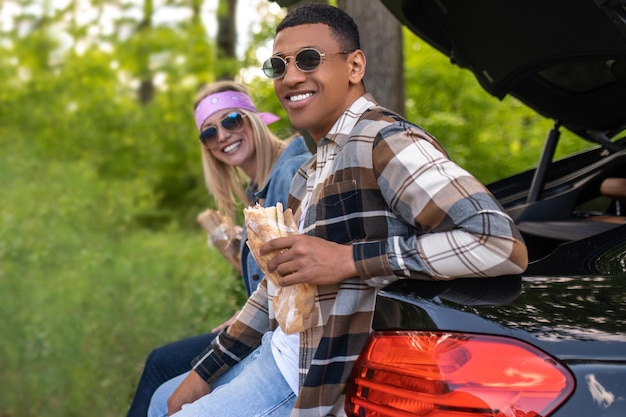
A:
<point x="294" y="304"/>
<point x="223" y="235"/>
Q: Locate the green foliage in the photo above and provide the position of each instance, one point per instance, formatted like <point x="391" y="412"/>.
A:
<point x="85" y="295"/>
<point x="100" y="256"/>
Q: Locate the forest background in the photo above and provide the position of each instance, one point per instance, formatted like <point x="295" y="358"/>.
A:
<point x="100" y="255"/>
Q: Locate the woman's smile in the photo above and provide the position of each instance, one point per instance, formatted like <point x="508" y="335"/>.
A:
<point x="232" y="147"/>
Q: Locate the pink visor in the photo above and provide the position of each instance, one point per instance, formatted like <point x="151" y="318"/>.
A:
<point x="228" y="100"/>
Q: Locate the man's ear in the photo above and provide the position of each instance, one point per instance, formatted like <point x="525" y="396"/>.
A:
<point x="357" y="63"/>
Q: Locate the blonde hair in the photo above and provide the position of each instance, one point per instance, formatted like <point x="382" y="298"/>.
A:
<point x="228" y="183"/>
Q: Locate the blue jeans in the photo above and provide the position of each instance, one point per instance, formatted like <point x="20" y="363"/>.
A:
<point x="164" y="363"/>
<point x="252" y="388"/>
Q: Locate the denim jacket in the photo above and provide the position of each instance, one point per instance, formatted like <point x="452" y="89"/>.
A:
<point x="276" y="190"/>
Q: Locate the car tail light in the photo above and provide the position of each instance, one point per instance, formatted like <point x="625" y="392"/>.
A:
<point x="436" y="374"/>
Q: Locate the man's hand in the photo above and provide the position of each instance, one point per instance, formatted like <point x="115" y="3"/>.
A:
<point x="192" y="388"/>
<point x="309" y="259"/>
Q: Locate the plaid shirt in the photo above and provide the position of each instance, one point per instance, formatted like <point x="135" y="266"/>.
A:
<point x="386" y="187"/>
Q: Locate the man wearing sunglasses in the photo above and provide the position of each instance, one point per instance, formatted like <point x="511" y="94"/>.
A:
<point x="380" y="202"/>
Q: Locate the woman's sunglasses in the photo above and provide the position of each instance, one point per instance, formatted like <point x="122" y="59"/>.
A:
<point x="306" y="60"/>
<point x="233" y="123"/>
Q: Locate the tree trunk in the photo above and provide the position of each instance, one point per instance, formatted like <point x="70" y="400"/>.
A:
<point x="381" y="40"/>
<point x="226" y="38"/>
<point x="146" y="83"/>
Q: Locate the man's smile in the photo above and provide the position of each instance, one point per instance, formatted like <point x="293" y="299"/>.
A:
<point x="299" y="97"/>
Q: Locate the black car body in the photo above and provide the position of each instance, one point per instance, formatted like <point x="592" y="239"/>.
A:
<point x="551" y="342"/>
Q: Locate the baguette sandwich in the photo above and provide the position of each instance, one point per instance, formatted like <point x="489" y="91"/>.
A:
<point x="222" y="235"/>
<point x="294" y="304"/>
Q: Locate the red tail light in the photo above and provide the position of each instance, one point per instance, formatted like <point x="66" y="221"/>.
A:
<point x="402" y="374"/>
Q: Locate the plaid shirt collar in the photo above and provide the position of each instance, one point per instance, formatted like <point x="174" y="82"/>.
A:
<point x="344" y="125"/>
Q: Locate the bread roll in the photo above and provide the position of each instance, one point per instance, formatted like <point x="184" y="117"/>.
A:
<point x="294" y="304"/>
<point x="223" y="235"/>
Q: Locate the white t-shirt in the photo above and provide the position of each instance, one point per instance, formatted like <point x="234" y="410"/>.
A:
<point x="286" y="351"/>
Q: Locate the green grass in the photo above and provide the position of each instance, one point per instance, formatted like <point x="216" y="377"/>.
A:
<point x="85" y="295"/>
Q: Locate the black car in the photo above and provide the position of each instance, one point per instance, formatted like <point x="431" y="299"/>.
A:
<point x="553" y="341"/>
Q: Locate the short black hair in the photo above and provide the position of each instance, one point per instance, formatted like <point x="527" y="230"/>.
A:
<point x="341" y="25"/>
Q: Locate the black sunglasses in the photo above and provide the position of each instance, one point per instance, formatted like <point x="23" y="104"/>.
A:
<point x="233" y="122"/>
<point x="306" y="60"/>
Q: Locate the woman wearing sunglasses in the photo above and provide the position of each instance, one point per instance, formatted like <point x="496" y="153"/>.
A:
<point x="245" y="163"/>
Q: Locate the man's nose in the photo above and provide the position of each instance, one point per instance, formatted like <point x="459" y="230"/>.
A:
<point x="293" y="74"/>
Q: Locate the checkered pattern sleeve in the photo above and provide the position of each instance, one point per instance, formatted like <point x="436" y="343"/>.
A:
<point x="459" y="228"/>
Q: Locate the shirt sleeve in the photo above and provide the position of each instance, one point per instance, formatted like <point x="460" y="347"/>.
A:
<point x="460" y="229"/>
<point x="238" y="340"/>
